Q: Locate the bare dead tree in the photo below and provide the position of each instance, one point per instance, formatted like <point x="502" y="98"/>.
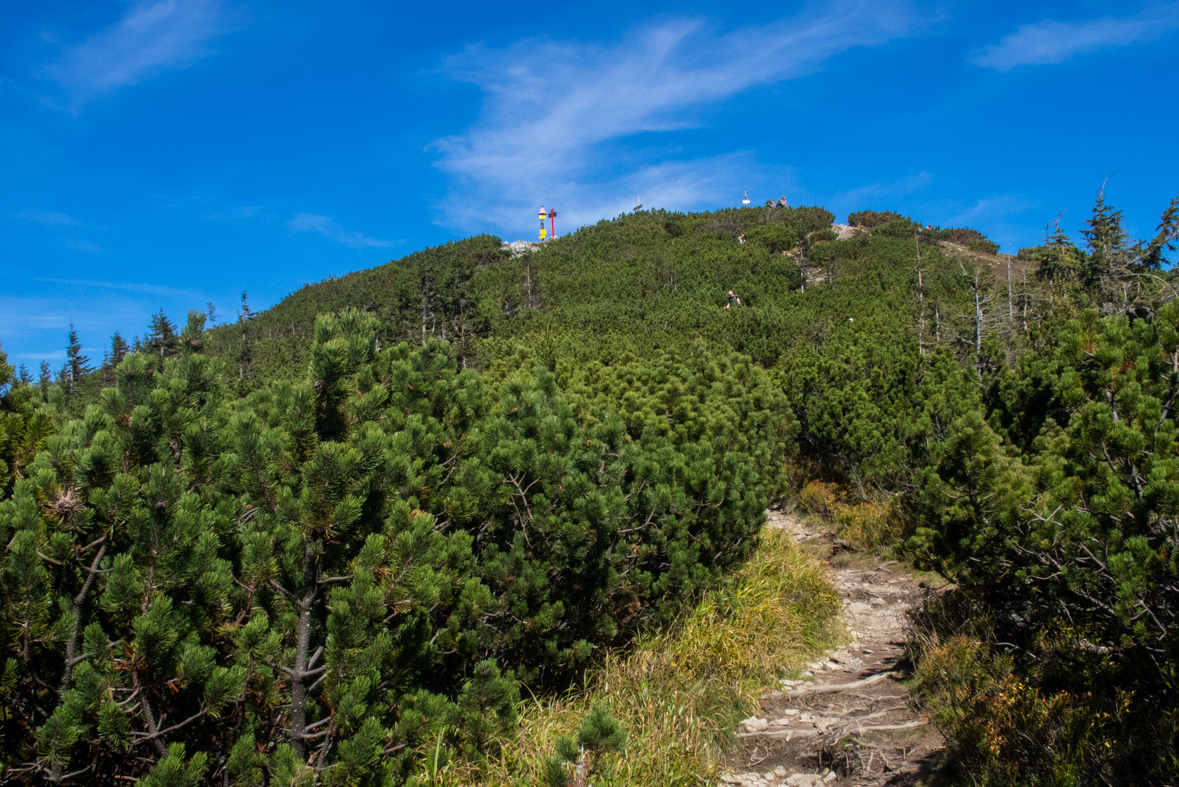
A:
<point x="920" y="298"/>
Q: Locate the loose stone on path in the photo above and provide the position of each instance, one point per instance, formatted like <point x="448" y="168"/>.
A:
<point x="847" y="721"/>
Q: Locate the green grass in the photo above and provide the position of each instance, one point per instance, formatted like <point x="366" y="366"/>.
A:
<point x="679" y="694"/>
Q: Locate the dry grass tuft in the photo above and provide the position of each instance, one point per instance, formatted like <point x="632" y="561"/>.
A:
<point x="871" y="526"/>
<point x="679" y="694"/>
<point x="868" y="525"/>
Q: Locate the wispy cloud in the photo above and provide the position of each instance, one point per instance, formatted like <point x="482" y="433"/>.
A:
<point x="35" y="327"/>
<point x="327" y="227"/>
<point x="84" y="246"/>
<point x="871" y="195"/>
<point x="244" y="212"/>
<point x="1050" y="41"/>
<point x="129" y="286"/>
<point x="150" y="38"/>
<point x="26" y="315"/>
<point x="17" y="358"/>
<point x="555" y="110"/>
<point x="664" y="184"/>
<point x="47" y="218"/>
<point x="993" y="209"/>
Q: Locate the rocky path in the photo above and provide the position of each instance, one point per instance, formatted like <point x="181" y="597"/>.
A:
<point x="848" y="720"/>
<point x="846" y="231"/>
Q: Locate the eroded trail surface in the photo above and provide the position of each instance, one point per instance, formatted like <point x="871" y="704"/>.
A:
<point x="849" y="720"/>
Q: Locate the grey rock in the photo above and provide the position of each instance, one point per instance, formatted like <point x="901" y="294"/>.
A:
<point x="803" y="780"/>
<point x="754" y="724"/>
<point x="521" y="247"/>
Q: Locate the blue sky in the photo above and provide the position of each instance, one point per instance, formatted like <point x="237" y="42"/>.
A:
<point x="170" y="153"/>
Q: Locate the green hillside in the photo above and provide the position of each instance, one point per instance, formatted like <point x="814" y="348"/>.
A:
<point x="644" y="282"/>
<point x="333" y="542"/>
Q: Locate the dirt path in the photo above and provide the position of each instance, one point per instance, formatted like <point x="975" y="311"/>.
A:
<point x="849" y="720"/>
<point x="846" y="231"/>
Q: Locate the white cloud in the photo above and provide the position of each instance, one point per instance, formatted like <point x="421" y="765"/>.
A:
<point x="127" y="286"/>
<point x="325" y="226"/>
<point x="992" y="209"/>
<point x="84" y="246"/>
<point x="35" y="327"/>
<point x="47" y="218"/>
<point x="868" y="196"/>
<point x="558" y="114"/>
<point x="150" y="38"/>
<point x="244" y="212"/>
<point x="667" y="184"/>
<point x="16" y="359"/>
<point x="24" y="315"/>
<point x="1054" y="42"/>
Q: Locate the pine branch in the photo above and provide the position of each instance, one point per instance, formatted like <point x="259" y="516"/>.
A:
<point x="142" y="736"/>
<point x="149" y="718"/>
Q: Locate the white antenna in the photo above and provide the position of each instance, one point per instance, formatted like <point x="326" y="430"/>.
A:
<point x="638" y="204"/>
<point x="746" y="200"/>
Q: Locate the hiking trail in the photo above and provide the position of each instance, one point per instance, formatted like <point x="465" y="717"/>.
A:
<point x="849" y="720"/>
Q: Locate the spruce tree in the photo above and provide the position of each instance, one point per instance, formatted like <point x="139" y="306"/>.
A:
<point x="119" y="349"/>
<point x="77" y="365"/>
<point x="244" y="354"/>
<point x="1104" y="230"/>
<point x="1107" y="241"/>
<point x="114" y="356"/>
<point x="1153" y="254"/>
<point x="45" y="380"/>
<point x="161" y="341"/>
<point x="1061" y="260"/>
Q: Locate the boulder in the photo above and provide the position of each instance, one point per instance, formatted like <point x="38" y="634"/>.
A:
<point x="754" y="724"/>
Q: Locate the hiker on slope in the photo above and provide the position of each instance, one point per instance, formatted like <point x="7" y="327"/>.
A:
<point x="733" y="300"/>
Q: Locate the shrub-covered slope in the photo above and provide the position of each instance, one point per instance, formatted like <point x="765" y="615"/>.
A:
<point x="319" y="543"/>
